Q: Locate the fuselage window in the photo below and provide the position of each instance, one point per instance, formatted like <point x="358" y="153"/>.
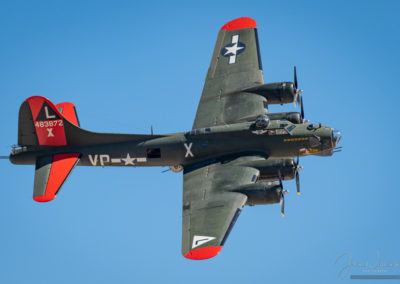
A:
<point x="280" y="131"/>
<point x="153" y="153"/>
<point x="290" y="128"/>
<point x="194" y="131"/>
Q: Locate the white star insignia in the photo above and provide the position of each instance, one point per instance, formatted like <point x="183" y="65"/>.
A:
<point x="233" y="49"/>
<point x="128" y="160"/>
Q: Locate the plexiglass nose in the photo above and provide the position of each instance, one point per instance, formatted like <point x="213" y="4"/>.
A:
<point x="336" y="135"/>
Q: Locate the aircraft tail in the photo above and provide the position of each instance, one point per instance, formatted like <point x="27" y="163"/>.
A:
<point x="43" y="124"/>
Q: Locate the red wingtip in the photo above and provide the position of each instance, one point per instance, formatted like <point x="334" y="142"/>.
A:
<point x="203" y="253"/>
<point x="240" y="23"/>
<point x="44" y="198"/>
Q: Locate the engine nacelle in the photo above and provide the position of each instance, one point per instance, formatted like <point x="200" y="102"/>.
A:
<point x="270" y="169"/>
<point x="261" y="193"/>
<point x="275" y="93"/>
<point x="293" y="117"/>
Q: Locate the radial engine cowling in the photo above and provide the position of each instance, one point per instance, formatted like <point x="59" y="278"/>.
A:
<point x="275" y="93"/>
<point x="261" y="193"/>
<point x="270" y="169"/>
<point x="293" y="117"/>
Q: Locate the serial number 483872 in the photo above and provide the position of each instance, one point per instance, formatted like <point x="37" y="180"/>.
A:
<point x="49" y="123"/>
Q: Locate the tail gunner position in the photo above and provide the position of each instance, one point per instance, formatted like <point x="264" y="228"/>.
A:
<point x="236" y="154"/>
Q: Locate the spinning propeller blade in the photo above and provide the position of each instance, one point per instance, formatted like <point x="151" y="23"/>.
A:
<point x="302" y="109"/>
<point x="297" y="92"/>
<point x="297" y="169"/>
<point x="283" y="192"/>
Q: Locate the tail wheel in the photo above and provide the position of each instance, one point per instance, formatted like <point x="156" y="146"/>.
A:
<point x="176" y="168"/>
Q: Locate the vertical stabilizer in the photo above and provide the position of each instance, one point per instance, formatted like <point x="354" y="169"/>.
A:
<point x="40" y="123"/>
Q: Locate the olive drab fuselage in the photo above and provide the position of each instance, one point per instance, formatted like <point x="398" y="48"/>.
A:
<point x="279" y="140"/>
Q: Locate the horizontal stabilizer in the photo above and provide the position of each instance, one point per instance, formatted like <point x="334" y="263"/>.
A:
<point x="50" y="174"/>
<point x="69" y="112"/>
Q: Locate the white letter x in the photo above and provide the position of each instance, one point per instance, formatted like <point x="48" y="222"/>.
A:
<point x="50" y="134"/>
<point x="188" y="150"/>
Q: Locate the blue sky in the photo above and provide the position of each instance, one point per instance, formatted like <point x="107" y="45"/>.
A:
<point x="128" y="66"/>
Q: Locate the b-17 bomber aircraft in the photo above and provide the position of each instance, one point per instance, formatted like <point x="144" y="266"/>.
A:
<point x="236" y="154"/>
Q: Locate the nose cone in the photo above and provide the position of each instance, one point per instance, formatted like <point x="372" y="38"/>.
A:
<point x="336" y="135"/>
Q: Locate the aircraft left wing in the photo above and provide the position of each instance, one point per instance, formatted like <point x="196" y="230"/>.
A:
<point x="210" y="208"/>
<point x="235" y="67"/>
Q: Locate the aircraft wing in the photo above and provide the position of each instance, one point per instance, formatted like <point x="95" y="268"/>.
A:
<point x="235" y="66"/>
<point x="210" y="208"/>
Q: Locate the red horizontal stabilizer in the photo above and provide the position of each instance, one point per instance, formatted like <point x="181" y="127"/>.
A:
<point x="48" y="122"/>
<point x="60" y="168"/>
<point x="69" y="112"/>
<point x="203" y="253"/>
<point x="240" y="23"/>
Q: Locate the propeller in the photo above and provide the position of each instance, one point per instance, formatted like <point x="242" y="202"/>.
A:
<point x="283" y="192"/>
<point x="297" y="92"/>
<point x="337" y="149"/>
<point x="301" y="110"/>
<point x="297" y="175"/>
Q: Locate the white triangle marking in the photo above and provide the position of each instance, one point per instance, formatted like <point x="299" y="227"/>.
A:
<point x="199" y="240"/>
